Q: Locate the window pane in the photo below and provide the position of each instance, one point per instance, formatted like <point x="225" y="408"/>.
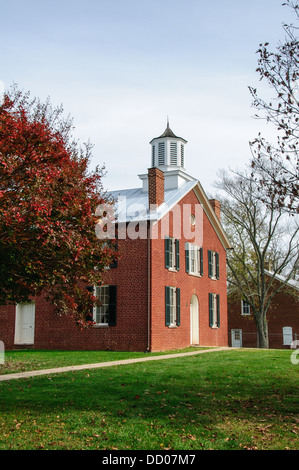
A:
<point x="172" y="306"/>
<point x="192" y="259"/>
<point x="245" y="308"/>
<point x="101" y="311"/>
<point x="194" y="256"/>
<point x="171" y="253"/>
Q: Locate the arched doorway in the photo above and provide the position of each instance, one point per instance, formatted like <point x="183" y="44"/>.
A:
<point x="194" y="320"/>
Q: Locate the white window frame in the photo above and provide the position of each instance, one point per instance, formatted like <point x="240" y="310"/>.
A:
<point x="245" y="308"/>
<point x="214" y="264"/>
<point x="194" y="259"/>
<point x="214" y="321"/>
<point x="172" y="254"/>
<point x="173" y="310"/>
<point x="172" y="260"/>
<point x="213" y="276"/>
<point x="194" y="263"/>
<point x="214" y="309"/>
<point x="100" y="312"/>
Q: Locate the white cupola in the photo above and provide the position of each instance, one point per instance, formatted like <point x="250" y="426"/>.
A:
<point x="168" y="151"/>
<point x="168" y="156"/>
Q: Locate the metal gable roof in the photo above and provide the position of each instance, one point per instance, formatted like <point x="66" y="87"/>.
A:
<point x="132" y="205"/>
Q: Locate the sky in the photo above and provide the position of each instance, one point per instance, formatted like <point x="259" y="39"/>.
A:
<point x="121" y="67"/>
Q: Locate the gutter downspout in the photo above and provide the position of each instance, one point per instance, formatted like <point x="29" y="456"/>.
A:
<point x="148" y="349"/>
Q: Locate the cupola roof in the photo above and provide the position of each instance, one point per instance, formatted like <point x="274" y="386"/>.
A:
<point x="168" y="133"/>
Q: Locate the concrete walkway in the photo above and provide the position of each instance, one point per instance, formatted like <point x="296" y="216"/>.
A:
<point x="34" y="373"/>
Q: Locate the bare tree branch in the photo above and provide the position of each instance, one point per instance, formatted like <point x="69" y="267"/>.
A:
<point x="260" y="233"/>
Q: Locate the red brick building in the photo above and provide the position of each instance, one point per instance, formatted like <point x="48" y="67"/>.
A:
<point x="167" y="290"/>
<point x="282" y="317"/>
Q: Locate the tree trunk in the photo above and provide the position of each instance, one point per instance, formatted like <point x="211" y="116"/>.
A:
<point x="262" y="329"/>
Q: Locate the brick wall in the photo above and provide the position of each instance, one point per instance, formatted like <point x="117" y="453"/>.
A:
<point x="131" y="278"/>
<point x="7" y="325"/>
<point x="164" y="337"/>
<point x="130" y="332"/>
<point x="283" y="311"/>
<point x="216" y="207"/>
<point x="155" y="186"/>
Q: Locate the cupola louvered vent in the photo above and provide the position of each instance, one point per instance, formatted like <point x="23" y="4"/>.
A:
<point x="182" y="155"/>
<point x="168" y="152"/>
<point x="161" y="153"/>
<point x="153" y="156"/>
<point x="173" y="153"/>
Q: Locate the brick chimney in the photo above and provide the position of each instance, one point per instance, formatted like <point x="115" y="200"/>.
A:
<point x="216" y="207"/>
<point x="155" y="186"/>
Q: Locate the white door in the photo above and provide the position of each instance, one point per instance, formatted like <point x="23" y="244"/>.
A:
<point x="194" y="320"/>
<point x="236" y="338"/>
<point x="24" y="328"/>
<point x="287" y="333"/>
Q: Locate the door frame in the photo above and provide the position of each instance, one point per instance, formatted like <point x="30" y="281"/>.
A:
<point x="194" y="320"/>
<point x="25" y="323"/>
<point x="236" y="343"/>
<point x="287" y="335"/>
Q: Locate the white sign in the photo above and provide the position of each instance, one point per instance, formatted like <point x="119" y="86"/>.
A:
<point x="2" y="352"/>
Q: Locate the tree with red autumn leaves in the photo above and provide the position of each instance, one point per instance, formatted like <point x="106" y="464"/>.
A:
<point x="48" y="201"/>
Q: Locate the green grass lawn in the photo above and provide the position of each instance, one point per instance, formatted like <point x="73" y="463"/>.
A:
<point x="31" y="359"/>
<point x="226" y="400"/>
<point x="21" y="361"/>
